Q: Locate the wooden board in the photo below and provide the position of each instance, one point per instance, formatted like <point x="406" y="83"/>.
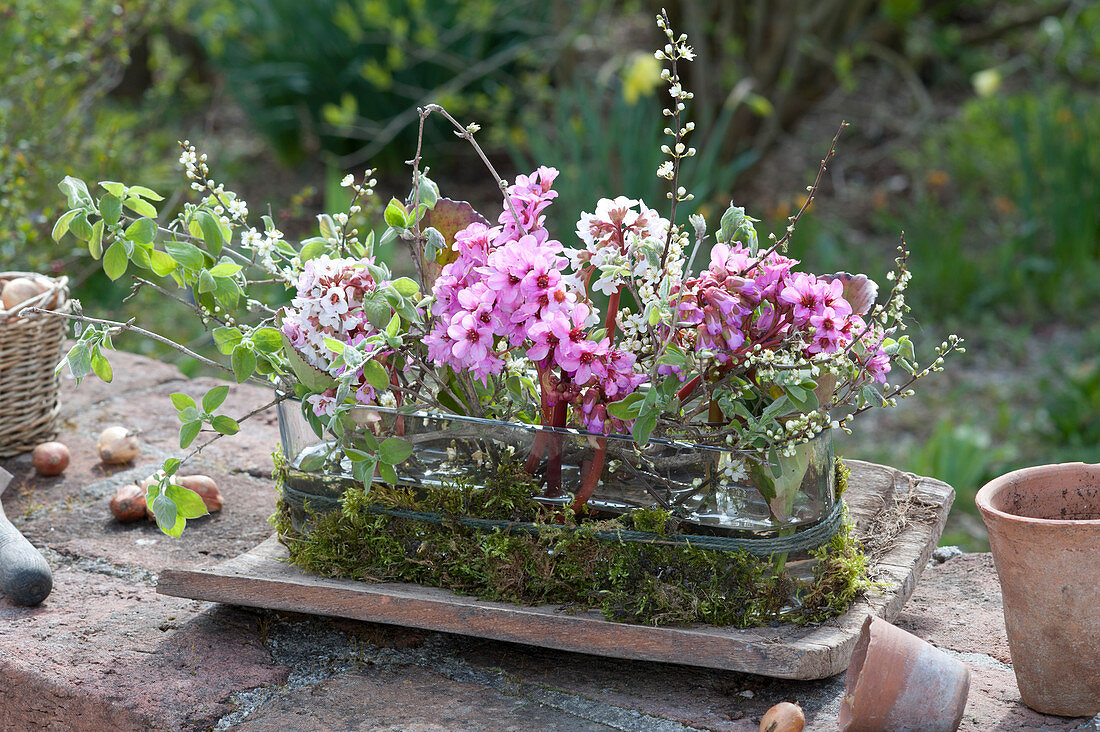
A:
<point x="900" y="543"/>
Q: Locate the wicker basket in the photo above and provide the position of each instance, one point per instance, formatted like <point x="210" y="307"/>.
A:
<point x="30" y="348"/>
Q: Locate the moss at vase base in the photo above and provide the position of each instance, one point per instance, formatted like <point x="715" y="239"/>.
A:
<point x="563" y="563"/>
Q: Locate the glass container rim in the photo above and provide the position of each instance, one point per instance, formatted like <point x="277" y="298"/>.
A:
<point x="564" y="431"/>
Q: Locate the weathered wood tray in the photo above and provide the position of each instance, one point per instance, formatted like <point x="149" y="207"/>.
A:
<point x="898" y="516"/>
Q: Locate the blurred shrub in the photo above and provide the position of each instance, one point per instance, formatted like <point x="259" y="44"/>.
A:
<point x="605" y="137"/>
<point x="348" y="75"/>
<point x="962" y="455"/>
<point x="1071" y="401"/>
<point x="788" y="55"/>
<point x="64" y="108"/>
<point x="1006" y="216"/>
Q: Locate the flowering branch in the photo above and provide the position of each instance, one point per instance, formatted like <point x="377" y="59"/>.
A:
<point x="674" y="50"/>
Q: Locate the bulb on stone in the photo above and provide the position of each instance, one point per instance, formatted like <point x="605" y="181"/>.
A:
<point x="783" y="717"/>
<point x="50" y="458"/>
<point x="118" y="445"/>
<point x="128" y="504"/>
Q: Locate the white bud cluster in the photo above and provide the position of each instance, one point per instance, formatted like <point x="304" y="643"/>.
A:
<point x="676" y="49"/>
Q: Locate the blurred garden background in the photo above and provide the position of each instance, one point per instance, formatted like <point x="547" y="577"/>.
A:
<point x="975" y="130"/>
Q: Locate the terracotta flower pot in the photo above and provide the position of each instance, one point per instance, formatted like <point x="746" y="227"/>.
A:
<point x="897" y="682"/>
<point x="1044" y="530"/>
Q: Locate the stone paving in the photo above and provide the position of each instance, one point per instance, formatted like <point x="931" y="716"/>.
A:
<point x="105" y="652"/>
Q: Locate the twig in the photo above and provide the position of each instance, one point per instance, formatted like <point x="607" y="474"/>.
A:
<point x="467" y="134"/>
<point x="119" y="327"/>
<point x="792" y="222"/>
<point x="278" y="398"/>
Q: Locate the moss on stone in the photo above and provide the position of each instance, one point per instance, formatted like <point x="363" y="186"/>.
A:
<point x="563" y="563"/>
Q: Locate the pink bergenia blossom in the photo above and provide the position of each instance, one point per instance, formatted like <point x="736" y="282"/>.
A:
<point x="828" y="332"/>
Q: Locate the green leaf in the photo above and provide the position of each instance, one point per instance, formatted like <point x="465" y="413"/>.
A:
<point x="214" y="398"/>
<point x="140" y="255"/>
<point x="110" y="208"/>
<point x="394" y="450"/>
<point x="393" y="326"/>
<point x="227" y="292"/>
<point x="142" y="231"/>
<point x="161" y="263"/>
<point x="181" y="401"/>
<point x="211" y="232"/>
<point x="165" y="512"/>
<point x="334" y="345"/>
<point x="311" y="463"/>
<point x="353" y="357"/>
<point x="189" y="414"/>
<point x="312" y="249"/>
<point x="376" y="375"/>
<point x="405" y="286"/>
<point x="435" y="243"/>
<point x="144" y="192"/>
<point x="244" y="362"/>
<point x="643" y="426"/>
<point x="736" y="226"/>
<point x="189" y="255"/>
<point x="364" y="471"/>
<point x="140" y="206"/>
<point x="356" y="455"/>
<point x="628" y="407"/>
<point x="206" y="282"/>
<point x="312" y="378"/>
<point x="95" y="241"/>
<point x="189" y="504"/>
<point x="804" y="399"/>
<point x="428" y="192"/>
<point x="79" y="359"/>
<point x="267" y="339"/>
<point x="118" y="190"/>
<point x="377" y="312"/>
<point x="225" y="424"/>
<point x="171" y="465"/>
<point x="76" y="192"/>
<point x="225" y="338"/>
<point x="189" y="432"/>
<point x="80" y="227"/>
<point x="101" y="365"/>
<point x="225" y="269"/>
<point x="327" y="227"/>
<point x="62" y="226"/>
<point x="387" y="473"/>
<point x="115" y="260"/>
<point x="395" y="214"/>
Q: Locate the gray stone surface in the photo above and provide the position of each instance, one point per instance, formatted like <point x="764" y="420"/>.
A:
<point x="104" y="652"/>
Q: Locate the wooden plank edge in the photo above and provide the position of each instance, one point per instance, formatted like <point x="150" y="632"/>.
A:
<point x="689" y="646"/>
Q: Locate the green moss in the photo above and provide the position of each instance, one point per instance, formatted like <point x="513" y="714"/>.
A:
<point x="842" y="474"/>
<point x="563" y="563"/>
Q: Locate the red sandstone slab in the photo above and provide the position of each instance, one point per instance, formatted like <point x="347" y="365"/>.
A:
<point x="102" y="653"/>
<point x="261" y="578"/>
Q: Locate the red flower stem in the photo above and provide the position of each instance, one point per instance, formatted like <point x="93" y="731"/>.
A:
<point x="553" y="460"/>
<point x="612" y="314"/>
<point x="539" y="446"/>
<point x="689" y="387"/>
<point x="592" y="477"/>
